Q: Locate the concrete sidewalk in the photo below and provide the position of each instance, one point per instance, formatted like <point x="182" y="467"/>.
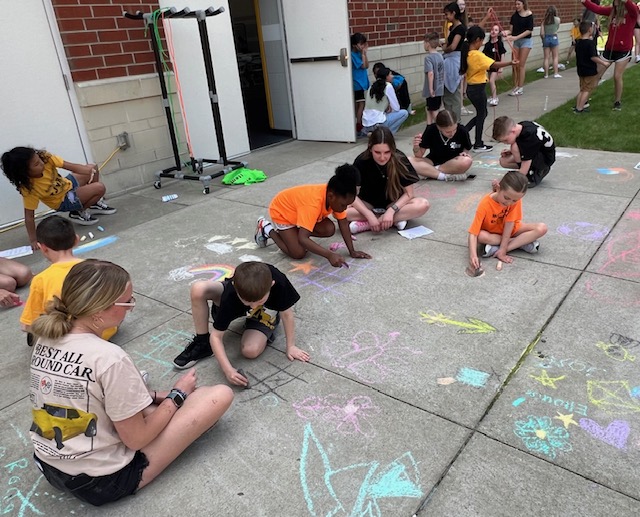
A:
<point x="429" y="392"/>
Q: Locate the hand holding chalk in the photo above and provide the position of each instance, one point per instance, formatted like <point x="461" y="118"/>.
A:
<point x="9" y="299"/>
<point x="243" y="378"/>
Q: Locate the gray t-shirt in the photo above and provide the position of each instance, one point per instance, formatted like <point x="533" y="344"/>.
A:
<point x="433" y="62"/>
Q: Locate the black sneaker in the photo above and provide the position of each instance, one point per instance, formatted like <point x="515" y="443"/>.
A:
<point x="84" y="218"/>
<point x="101" y="207"/>
<point x="617" y="106"/>
<point x="482" y="148"/>
<point x="196" y="350"/>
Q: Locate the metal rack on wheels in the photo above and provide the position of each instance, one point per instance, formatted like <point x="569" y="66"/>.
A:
<point x="197" y="164"/>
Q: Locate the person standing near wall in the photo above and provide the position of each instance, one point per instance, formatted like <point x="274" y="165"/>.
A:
<point x="521" y="30"/>
<point x="359" y="66"/>
<point x="549" y="34"/>
<point x="451" y="48"/>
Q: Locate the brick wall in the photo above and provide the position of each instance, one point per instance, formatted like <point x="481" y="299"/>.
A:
<point x="99" y="42"/>
<point x="387" y="23"/>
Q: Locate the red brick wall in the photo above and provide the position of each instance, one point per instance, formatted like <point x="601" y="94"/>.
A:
<point x="386" y="23"/>
<point x="99" y="42"/>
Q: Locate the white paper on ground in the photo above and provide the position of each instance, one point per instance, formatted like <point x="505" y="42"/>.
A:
<point x="22" y="251"/>
<point x="415" y="232"/>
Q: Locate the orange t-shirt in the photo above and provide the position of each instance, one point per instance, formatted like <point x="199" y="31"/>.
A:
<point x="302" y="206"/>
<point x="491" y="216"/>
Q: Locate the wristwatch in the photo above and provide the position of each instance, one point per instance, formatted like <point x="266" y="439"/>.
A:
<point x="177" y="396"/>
<point x="395" y="208"/>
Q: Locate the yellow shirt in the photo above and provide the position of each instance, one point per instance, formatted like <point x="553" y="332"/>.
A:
<point x="46" y="285"/>
<point x="50" y="188"/>
<point x="575" y="33"/>
<point x="477" y="66"/>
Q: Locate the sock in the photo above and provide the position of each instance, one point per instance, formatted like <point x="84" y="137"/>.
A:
<point x="203" y="337"/>
<point x="268" y="228"/>
<point x="442" y="176"/>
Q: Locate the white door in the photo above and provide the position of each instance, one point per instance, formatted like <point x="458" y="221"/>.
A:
<point x="317" y="32"/>
<point x="36" y="106"/>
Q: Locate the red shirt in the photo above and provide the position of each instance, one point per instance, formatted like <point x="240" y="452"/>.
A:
<point x="620" y="36"/>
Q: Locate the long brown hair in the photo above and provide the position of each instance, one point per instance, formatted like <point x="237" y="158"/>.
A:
<point x="395" y="169"/>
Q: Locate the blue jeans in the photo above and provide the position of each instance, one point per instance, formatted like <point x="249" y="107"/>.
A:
<point x="395" y="120"/>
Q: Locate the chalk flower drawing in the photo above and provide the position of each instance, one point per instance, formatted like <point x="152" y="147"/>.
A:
<point x="538" y="435"/>
<point x="349" y="415"/>
<point x="373" y="359"/>
<point x="329" y="491"/>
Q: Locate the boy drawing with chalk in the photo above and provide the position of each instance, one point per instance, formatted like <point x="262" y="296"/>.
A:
<point x="497" y="227"/>
<point x="258" y="291"/>
<point x="302" y="212"/>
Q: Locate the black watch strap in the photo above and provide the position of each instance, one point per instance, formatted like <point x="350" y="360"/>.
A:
<point x="177" y="396"/>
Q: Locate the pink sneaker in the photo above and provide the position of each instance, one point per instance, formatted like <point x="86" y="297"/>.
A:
<point x="359" y="226"/>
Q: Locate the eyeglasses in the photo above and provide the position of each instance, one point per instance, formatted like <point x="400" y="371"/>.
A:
<point x="131" y="303"/>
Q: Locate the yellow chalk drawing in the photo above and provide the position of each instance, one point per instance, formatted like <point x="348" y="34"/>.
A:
<point x="616" y="352"/>
<point x="567" y="420"/>
<point x="545" y="380"/>
<point x="471" y="326"/>
<point x="612" y="396"/>
<point x="445" y="381"/>
<point x="305" y="267"/>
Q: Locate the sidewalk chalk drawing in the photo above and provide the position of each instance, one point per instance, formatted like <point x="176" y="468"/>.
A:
<point x="627" y="342"/>
<point x="616" y="433"/>
<point x="633" y="215"/>
<point x="545" y="380"/>
<point x="220" y="244"/>
<point x="613" y="397"/>
<point x="423" y="189"/>
<point x="615" y="174"/>
<point x="468" y="203"/>
<point x="550" y="362"/>
<point x="249" y="258"/>
<point x="566" y="420"/>
<point x="569" y="405"/>
<point x="164" y="347"/>
<point x="583" y="231"/>
<point x="616" y="352"/>
<point x="213" y="272"/>
<point x="539" y="435"/>
<point x="372" y="358"/>
<point x="468" y="376"/>
<point x="95" y="244"/>
<point x="471" y="326"/>
<point x="328" y="491"/>
<point x="490" y="162"/>
<point x="267" y="386"/>
<point x="623" y="261"/>
<point x="562" y="154"/>
<point x="326" y="278"/>
<point x="351" y="415"/>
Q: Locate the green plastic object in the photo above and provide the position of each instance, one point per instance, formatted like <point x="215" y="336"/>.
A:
<point x="244" y="176"/>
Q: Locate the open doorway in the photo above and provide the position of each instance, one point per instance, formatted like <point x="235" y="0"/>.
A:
<point x="257" y="31"/>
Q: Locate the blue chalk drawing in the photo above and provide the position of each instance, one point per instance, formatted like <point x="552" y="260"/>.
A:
<point x="15" y="499"/>
<point x="539" y="435"/>
<point x="164" y="347"/>
<point x="94" y="245"/>
<point x="635" y="392"/>
<point x="400" y="478"/>
<point x="472" y="377"/>
<point x="519" y="401"/>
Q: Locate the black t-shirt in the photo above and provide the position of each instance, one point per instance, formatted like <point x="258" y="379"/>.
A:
<point x="521" y="24"/>
<point x="281" y="297"/>
<point x="441" y="149"/>
<point x="535" y="139"/>
<point x="494" y="50"/>
<point x="374" y="179"/>
<point x="585" y="50"/>
<point x="460" y="30"/>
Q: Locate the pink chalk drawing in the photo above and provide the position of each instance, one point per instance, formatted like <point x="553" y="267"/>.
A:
<point x="470" y="202"/>
<point x="623" y="254"/>
<point x="373" y="359"/>
<point x="616" y="433"/>
<point x="633" y="214"/>
<point x="349" y="415"/>
<point x="422" y="189"/>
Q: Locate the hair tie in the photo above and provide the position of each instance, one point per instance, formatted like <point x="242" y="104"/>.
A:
<point x="69" y="318"/>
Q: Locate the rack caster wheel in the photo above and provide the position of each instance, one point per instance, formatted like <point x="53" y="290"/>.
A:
<point x="205" y="190"/>
<point x="157" y="185"/>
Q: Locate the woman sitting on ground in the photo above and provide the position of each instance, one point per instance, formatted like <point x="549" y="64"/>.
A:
<point x="381" y="104"/>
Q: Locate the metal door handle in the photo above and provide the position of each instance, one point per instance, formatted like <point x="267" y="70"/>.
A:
<point x="344" y="57"/>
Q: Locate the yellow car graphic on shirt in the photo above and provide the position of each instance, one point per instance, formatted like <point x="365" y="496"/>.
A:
<point x="61" y="423"/>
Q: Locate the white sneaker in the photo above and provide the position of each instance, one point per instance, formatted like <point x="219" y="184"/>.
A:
<point x="532" y="247"/>
<point x="557" y="76"/>
<point x="260" y="235"/>
<point x="489" y="250"/>
<point x="400" y="225"/>
<point x="540" y="70"/>
<point x="561" y="66"/>
<point x="637" y="59"/>
<point x="359" y="226"/>
<point x="513" y="92"/>
<point x="465" y="111"/>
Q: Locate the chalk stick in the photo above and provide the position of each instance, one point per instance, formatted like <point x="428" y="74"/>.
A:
<point x="241" y="372"/>
<point x="90" y="235"/>
<point x="499" y="265"/>
<point x="83" y="238"/>
<point x="100" y="228"/>
<point x="344" y="264"/>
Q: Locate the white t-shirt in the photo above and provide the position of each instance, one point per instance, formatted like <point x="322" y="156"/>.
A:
<point x="79" y="386"/>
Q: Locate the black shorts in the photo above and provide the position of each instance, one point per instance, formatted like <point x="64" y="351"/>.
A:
<point x="434" y="103"/>
<point x="101" y="489"/>
<point x="615" y="56"/>
<point x="259" y="321"/>
<point x="358" y="95"/>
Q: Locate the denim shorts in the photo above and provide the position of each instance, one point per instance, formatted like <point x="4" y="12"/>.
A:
<point x="550" y="41"/>
<point x="523" y="43"/>
<point x="101" y="489"/>
<point x="71" y="201"/>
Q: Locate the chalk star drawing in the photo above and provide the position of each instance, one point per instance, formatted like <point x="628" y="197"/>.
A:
<point x="566" y="420"/>
<point x="471" y="377"/>
<point x="351" y="414"/>
<point x="538" y="435"/>
<point x="616" y="433"/>
<point x="327" y="278"/>
<point x="584" y="231"/>
<point x="616" y="352"/>
<point x="306" y="267"/>
<point x="471" y="326"/>
<point x="269" y="385"/>
<point x="545" y="380"/>
<point x="612" y="397"/>
<point x="372" y="359"/>
<point x="164" y="347"/>
<point x="327" y="490"/>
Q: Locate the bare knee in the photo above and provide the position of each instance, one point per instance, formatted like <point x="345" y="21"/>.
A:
<point x="466" y="162"/>
<point x="23" y="276"/>
<point x="541" y="229"/>
<point x="297" y="254"/>
<point x="422" y="204"/>
<point x="198" y="292"/>
<point x="8" y="283"/>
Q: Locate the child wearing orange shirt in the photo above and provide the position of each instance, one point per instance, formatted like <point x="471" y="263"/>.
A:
<point x="299" y="213"/>
<point x="498" y="228"/>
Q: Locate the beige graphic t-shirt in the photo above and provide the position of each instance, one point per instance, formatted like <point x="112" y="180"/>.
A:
<point x="79" y="386"/>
